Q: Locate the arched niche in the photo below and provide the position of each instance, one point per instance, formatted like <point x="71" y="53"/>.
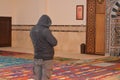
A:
<point x="112" y="27"/>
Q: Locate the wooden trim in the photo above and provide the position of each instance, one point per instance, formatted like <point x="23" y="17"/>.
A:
<point x="90" y="31"/>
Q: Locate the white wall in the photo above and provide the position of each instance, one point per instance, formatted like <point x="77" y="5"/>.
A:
<point x="6" y="8"/>
<point x="63" y="12"/>
<point x="23" y="11"/>
<point x="28" y="11"/>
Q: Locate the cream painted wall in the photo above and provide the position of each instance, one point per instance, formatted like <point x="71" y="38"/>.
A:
<point x="28" y="11"/>
<point x="6" y="7"/>
<point x="23" y="11"/>
<point x="64" y="12"/>
<point x="68" y="42"/>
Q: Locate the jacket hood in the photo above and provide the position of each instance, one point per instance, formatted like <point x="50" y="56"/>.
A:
<point x="44" y="21"/>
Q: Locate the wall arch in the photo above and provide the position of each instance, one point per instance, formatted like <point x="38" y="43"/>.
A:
<point x="113" y="26"/>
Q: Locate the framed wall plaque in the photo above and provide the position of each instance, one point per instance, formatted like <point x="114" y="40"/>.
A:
<point x="79" y="12"/>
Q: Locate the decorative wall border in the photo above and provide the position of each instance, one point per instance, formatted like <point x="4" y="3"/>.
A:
<point x="90" y="33"/>
<point x="54" y="28"/>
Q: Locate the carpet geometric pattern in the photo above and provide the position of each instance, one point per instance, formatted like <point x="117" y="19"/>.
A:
<point x="14" y="68"/>
<point x="85" y="71"/>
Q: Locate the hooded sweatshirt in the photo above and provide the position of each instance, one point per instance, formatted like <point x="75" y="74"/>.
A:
<point x="42" y="39"/>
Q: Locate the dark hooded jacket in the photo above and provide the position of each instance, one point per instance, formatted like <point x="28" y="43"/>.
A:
<point x="42" y="39"/>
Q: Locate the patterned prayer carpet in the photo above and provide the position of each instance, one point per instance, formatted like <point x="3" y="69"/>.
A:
<point x="15" y="68"/>
<point x="18" y="66"/>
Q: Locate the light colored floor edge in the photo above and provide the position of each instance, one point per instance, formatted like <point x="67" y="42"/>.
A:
<point x="57" y="54"/>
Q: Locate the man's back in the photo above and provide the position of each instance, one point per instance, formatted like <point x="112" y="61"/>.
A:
<point x="43" y="40"/>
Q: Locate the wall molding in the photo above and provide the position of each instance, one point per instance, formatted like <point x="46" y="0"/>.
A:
<point x="54" y="28"/>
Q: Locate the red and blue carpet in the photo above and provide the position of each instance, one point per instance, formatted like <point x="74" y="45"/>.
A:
<point x="18" y="66"/>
